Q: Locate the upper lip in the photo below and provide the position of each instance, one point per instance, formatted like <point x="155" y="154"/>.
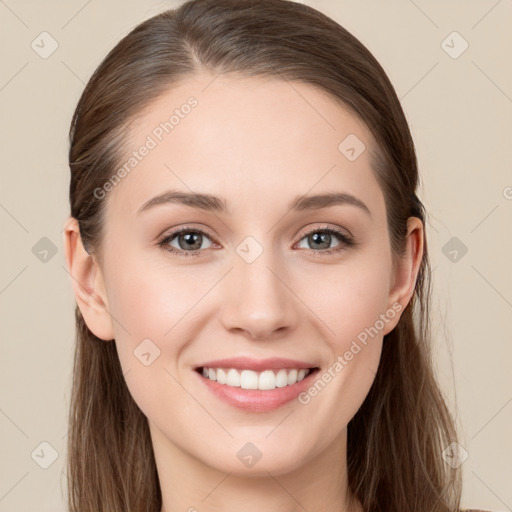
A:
<point x="247" y="363"/>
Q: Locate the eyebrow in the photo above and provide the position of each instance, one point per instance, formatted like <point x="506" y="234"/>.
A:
<point x="210" y="202"/>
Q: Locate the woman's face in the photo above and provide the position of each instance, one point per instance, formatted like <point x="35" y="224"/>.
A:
<point x="253" y="275"/>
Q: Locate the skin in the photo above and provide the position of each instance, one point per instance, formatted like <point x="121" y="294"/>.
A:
<point x="258" y="144"/>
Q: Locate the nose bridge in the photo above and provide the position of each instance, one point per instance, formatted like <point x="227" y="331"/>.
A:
<point x="257" y="300"/>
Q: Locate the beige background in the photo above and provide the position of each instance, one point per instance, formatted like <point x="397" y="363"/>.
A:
<point x="459" y="110"/>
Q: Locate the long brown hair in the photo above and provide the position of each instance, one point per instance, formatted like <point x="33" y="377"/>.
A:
<point x="396" y="439"/>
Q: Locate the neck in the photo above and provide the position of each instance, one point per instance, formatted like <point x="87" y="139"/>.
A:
<point x="187" y="484"/>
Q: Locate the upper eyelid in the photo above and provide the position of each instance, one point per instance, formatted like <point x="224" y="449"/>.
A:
<point x="186" y="229"/>
<point x="343" y="231"/>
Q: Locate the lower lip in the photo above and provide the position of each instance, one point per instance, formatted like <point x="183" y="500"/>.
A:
<point x="256" y="400"/>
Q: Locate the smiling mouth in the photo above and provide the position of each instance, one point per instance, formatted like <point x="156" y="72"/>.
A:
<point x="249" y="379"/>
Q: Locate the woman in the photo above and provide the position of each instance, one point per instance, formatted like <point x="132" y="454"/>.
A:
<point x="247" y="249"/>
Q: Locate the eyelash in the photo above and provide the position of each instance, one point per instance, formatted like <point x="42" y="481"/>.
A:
<point x="345" y="241"/>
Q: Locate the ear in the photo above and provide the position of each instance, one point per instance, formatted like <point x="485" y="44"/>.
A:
<point x="88" y="283"/>
<point x="405" y="272"/>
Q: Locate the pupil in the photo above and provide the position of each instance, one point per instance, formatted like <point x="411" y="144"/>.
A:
<point x="316" y="236"/>
<point x="190" y="240"/>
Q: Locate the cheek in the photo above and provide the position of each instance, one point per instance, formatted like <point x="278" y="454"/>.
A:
<point x="351" y="305"/>
<point x="350" y="301"/>
<point x="150" y="309"/>
<point x="342" y="385"/>
<point x="157" y="310"/>
<point x="150" y="299"/>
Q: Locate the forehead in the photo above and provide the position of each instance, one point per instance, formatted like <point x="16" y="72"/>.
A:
<point x="245" y="138"/>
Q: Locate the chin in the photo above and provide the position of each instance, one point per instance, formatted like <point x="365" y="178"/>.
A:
<point x="249" y="460"/>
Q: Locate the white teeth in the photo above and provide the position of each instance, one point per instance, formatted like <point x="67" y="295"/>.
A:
<point x="221" y="376"/>
<point x="281" y="379"/>
<point x="267" y="380"/>
<point x="292" y="376"/>
<point x="233" y="379"/>
<point x="249" y="379"/>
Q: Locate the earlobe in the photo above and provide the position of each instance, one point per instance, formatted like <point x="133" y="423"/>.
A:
<point x="87" y="282"/>
<point x="406" y="271"/>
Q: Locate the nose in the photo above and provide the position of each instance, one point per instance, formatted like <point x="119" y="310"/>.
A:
<point x="258" y="299"/>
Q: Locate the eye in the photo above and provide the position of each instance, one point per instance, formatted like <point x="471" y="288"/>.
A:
<point x="189" y="242"/>
<point x="322" y="239"/>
